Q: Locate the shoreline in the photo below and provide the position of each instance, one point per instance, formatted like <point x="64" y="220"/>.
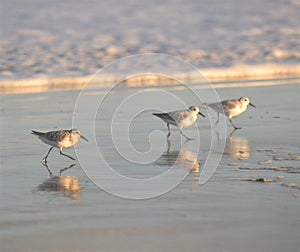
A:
<point x="216" y="75"/>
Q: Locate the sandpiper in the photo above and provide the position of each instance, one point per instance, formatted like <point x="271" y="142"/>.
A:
<point x="59" y="139"/>
<point x="180" y="118"/>
<point x="231" y="108"/>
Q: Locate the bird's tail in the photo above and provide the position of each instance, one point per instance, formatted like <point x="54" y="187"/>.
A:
<point x="164" y="116"/>
<point x="37" y="133"/>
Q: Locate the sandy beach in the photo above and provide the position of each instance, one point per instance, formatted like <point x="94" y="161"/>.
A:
<point x="130" y="189"/>
<point x="228" y="213"/>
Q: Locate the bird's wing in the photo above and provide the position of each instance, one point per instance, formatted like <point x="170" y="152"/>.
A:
<point x="179" y="115"/>
<point x="223" y="106"/>
<point x="56" y="135"/>
<point x="34" y="132"/>
<point x="216" y="106"/>
<point x="229" y="105"/>
<point x="165" y="117"/>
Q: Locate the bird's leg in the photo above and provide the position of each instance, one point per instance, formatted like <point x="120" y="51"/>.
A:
<point x="169" y="134"/>
<point x="218" y="136"/>
<point x="66" y="168"/>
<point x="218" y="119"/>
<point x="169" y="145"/>
<point x="60" y="151"/>
<point x="44" y="160"/>
<point x="46" y="165"/>
<point x="187" y="138"/>
<point x="233" y="124"/>
<point x="232" y="132"/>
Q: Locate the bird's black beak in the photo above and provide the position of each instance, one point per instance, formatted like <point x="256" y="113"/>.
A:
<point x="84" y="138"/>
<point x="252" y="105"/>
<point x="201" y="114"/>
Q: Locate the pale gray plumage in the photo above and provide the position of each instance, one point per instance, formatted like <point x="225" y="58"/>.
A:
<point x="231" y="108"/>
<point x="180" y="118"/>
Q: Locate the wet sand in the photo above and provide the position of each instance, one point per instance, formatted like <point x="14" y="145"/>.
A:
<point x="228" y="213"/>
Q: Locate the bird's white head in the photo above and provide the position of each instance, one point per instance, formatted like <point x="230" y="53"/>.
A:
<point x="196" y="110"/>
<point x="245" y="101"/>
<point x="77" y="134"/>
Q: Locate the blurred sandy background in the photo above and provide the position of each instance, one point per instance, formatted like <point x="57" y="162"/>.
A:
<point x="76" y="38"/>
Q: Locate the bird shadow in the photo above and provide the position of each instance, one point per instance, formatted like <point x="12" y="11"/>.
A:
<point x="236" y="146"/>
<point x="181" y="158"/>
<point x="67" y="185"/>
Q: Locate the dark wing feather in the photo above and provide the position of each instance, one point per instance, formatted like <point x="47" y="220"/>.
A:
<point x="165" y="117"/>
<point x="34" y="132"/>
<point x="56" y="135"/>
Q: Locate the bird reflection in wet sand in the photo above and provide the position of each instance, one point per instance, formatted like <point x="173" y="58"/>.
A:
<point x="68" y="185"/>
<point x="237" y="147"/>
<point x="181" y="158"/>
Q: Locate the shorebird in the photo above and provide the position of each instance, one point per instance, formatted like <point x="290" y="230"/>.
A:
<point x="59" y="139"/>
<point x="231" y="108"/>
<point x="180" y="118"/>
